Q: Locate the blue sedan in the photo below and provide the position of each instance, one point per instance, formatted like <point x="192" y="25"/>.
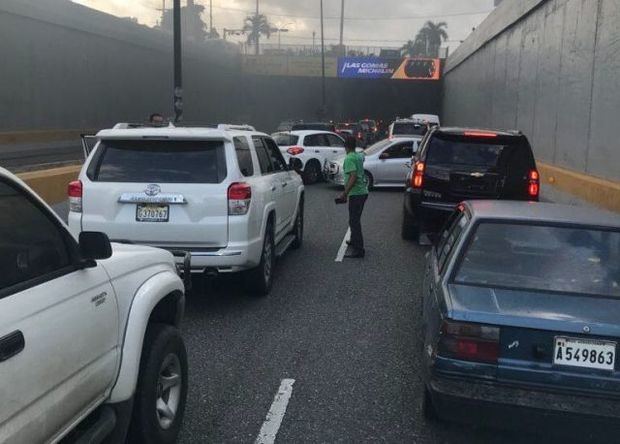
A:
<point x="521" y="308"/>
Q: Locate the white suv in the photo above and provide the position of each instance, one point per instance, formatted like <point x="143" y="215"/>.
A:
<point x="224" y="194"/>
<point x="313" y="148"/>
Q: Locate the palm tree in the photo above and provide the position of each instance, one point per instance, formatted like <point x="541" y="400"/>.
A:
<point x="255" y="25"/>
<point x="432" y="35"/>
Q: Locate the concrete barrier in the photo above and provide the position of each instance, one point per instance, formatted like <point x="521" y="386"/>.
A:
<point x="51" y="184"/>
<point x="22" y="137"/>
<point x="600" y="192"/>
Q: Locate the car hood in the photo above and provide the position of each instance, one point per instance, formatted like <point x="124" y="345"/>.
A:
<point x="128" y="257"/>
<point x="533" y="309"/>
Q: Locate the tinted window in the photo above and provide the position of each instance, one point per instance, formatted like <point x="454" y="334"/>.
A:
<point x="316" y="140"/>
<point x="449" y="237"/>
<point x="335" y="141"/>
<point x="161" y="161"/>
<point x="285" y="139"/>
<point x="413" y="129"/>
<point x="377" y="147"/>
<point x="244" y="156"/>
<point x="534" y="257"/>
<point x="400" y="151"/>
<point x="275" y="155"/>
<point x="264" y="159"/>
<point x="31" y="244"/>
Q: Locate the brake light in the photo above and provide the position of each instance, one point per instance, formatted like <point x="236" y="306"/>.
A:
<point x="479" y="134"/>
<point x="469" y="342"/>
<point x="417" y="179"/>
<point x="295" y="150"/>
<point x="239" y="198"/>
<point x="359" y="135"/>
<point x="533" y="184"/>
<point x="75" y="191"/>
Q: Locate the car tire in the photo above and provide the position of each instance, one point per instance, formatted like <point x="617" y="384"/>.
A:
<point x="312" y="172"/>
<point x="410" y="229"/>
<point x="298" y="229"/>
<point x="159" y="408"/>
<point x="369" y="180"/>
<point x="260" y="279"/>
<point x="428" y="408"/>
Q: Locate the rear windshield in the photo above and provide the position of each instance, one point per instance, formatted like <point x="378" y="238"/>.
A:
<point x="547" y="258"/>
<point x="479" y="151"/>
<point x="286" y="139"/>
<point x="414" y="129"/>
<point x="160" y="161"/>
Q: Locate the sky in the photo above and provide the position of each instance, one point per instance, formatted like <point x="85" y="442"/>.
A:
<point x="367" y="22"/>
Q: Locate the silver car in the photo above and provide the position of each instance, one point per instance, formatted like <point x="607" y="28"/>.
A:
<point x="386" y="163"/>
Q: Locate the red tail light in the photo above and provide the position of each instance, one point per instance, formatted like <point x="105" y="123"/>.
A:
<point x="469" y="342"/>
<point x="239" y="198"/>
<point x="75" y="191"/>
<point x="479" y="134"/>
<point x="533" y="186"/>
<point x="359" y="135"/>
<point x="417" y="179"/>
<point x="295" y="150"/>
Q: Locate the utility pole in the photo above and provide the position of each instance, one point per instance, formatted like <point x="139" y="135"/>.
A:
<point x="323" y="106"/>
<point x="313" y="41"/>
<point x="178" y="68"/>
<point x="211" y="18"/>
<point x="257" y="30"/>
<point x="341" y="24"/>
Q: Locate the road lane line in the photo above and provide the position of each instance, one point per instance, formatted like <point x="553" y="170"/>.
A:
<point x="269" y="430"/>
<point x="343" y="246"/>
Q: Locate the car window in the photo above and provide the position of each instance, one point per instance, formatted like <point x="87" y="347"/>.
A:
<point x="414" y="129"/>
<point x="244" y="156"/>
<point x="377" y="147"/>
<point x="264" y="159"/>
<point x="543" y="257"/>
<point x="163" y="161"/>
<point x="400" y="151"/>
<point x="32" y="245"/>
<point x="316" y="140"/>
<point x="450" y="236"/>
<point x="285" y="139"/>
<point x="277" y="160"/>
<point x="335" y="141"/>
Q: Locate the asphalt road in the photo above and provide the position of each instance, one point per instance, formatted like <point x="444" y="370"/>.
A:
<point x="345" y="332"/>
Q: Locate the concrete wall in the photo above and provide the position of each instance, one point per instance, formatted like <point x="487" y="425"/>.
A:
<point x="67" y="67"/>
<point x="550" y="68"/>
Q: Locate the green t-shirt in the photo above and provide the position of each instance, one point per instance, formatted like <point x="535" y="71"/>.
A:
<point x="354" y="163"/>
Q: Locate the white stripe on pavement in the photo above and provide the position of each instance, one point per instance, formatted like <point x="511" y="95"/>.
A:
<point x="343" y="246"/>
<point x="269" y="430"/>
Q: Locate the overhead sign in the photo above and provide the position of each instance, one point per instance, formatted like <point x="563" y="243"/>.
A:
<point x="383" y="68"/>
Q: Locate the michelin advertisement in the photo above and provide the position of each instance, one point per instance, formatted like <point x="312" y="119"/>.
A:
<point x="381" y="68"/>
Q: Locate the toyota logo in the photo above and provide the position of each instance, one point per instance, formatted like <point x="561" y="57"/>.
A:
<point x="586" y="329"/>
<point x="152" y="190"/>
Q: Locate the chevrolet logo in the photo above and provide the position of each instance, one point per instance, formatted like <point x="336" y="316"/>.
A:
<point x="476" y="174"/>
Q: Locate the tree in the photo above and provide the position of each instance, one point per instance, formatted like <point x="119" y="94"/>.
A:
<point x="430" y="37"/>
<point x="255" y="26"/>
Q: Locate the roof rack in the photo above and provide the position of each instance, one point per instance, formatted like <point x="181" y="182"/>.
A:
<point x="131" y="125"/>
<point x="229" y="127"/>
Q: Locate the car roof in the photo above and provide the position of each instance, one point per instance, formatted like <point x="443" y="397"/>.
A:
<point x="308" y="132"/>
<point x="460" y="131"/>
<point x="541" y="212"/>
<point x="175" y="133"/>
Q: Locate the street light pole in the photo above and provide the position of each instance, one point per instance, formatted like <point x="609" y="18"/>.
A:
<point x="341" y="24"/>
<point x="178" y="67"/>
<point x="323" y="103"/>
<point x="257" y="38"/>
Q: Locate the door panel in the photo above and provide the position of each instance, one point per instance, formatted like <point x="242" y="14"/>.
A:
<point x="393" y="170"/>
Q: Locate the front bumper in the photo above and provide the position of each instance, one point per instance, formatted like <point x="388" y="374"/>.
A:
<point x="447" y="392"/>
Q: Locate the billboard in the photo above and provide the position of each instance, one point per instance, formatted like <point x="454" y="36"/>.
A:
<point x="408" y="68"/>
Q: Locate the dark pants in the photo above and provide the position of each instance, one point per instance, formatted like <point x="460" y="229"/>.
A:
<point x="356" y="207"/>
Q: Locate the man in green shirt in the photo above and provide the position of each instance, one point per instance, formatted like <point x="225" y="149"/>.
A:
<point x="356" y="192"/>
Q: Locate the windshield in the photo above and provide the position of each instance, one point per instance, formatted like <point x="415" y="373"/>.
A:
<point x="286" y="139"/>
<point x="548" y="258"/>
<point x="374" y="149"/>
<point x="160" y="161"/>
<point x="409" y="129"/>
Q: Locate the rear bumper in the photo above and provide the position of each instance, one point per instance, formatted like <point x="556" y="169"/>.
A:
<point x="232" y="259"/>
<point x="431" y="214"/>
<point x="447" y="392"/>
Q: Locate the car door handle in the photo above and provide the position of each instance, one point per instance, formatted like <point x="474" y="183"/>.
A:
<point x="284" y="184"/>
<point x="11" y="345"/>
<point x="273" y="187"/>
<point x="317" y="151"/>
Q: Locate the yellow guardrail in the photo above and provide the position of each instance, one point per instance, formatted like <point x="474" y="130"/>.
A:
<point x="43" y="136"/>
<point x="51" y="184"/>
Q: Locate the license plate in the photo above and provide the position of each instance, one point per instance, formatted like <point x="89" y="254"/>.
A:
<point x="152" y="213"/>
<point x="585" y="353"/>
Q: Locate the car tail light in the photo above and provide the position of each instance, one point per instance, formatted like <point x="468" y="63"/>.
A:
<point x="533" y="184"/>
<point x="469" y="342"/>
<point x="75" y="191"/>
<point x="479" y="134"/>
<point x="417" y="179"/>
<point x="239" y="198"/>
<point x="359" y="135"/>
<point x="295" y="150"/>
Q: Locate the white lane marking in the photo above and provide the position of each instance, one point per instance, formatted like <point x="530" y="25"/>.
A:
<point x="343" y="246"/>
<point x="269" y="430"/>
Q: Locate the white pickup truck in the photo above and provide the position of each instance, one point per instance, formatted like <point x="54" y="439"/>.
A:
<point x="90" y="348"/>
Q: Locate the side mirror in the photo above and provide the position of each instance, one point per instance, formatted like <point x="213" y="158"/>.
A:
<point x="94" y="246"/>
<point x="384" y="156"/>
<point x="295" y="164"/>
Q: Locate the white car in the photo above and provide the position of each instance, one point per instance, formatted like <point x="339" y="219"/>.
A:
<point x="386" y="163"/>
<point x="89" y="332"/>
<point x="312" y="148"/>
<point x="407" y="128"/>
<point x="431" y="119"/>
<point x="224" y="194"/>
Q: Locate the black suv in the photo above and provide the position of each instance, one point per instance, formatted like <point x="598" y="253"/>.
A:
<point x="457" y="164"/>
